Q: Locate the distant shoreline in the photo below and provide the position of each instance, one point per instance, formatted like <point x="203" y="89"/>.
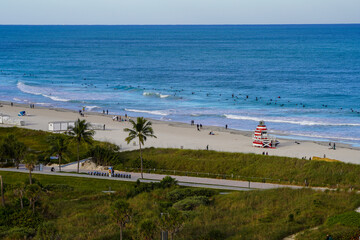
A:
<point x="187" y="125"/>
<point x="183" y="135"/>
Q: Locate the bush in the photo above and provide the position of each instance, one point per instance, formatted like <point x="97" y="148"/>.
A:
<point x="18" y="233"/>
<point x="351" y="219"/>
<point x="191" y="203"/>
<point x="58" y="187"/>
<point x="215" y="234"/>
<point x="25" y="218"/>
<point x="168" y="182"/>
<point x="182" y="193"/>
<point x="47" y="231"/>
<point x="147" y="164"/>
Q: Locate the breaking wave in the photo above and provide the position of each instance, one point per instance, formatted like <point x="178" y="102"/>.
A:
<point x="152" y="94"/>
<point x="155" y="112"/>
<point x="45" y="92"/>
<point x="297" y="122"/>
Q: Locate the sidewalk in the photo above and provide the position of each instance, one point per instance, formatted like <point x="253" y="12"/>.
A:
<point x="182" y="180"/>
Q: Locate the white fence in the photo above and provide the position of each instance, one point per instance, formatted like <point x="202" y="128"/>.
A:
<point x="5" y="119"/>
<point x="65" y="126"/>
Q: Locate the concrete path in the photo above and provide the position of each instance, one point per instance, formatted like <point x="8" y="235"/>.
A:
<point x="182" y="180"/>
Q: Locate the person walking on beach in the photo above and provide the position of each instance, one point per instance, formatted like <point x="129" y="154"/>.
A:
<point x="207" y="147"/>
<point x="197" y="126"/>
<point x="226" y="126"/>
<point x="334" y="146"/>
<point x="107" y="112"/>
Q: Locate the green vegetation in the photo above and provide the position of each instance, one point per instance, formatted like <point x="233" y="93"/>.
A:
<point x="80" y="133"/>
<point x="58" y="146"/>
<point x="200" y="163"/>
<point x="56" y="207"/>
<point x="43" y="145"/>
<point x="342" y="226"/>
<point x="12" y="149"/>
<point x="140" y="130"/>
<point x="252" y="167"/>
<point x="39" y="143"/>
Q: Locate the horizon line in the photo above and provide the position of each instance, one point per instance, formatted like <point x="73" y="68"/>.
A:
<point x="184" y="24"/>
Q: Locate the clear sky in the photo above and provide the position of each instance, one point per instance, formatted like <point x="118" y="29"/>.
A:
<point x="179" y="11"/>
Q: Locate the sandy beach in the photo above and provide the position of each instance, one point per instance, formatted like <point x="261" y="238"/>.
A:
<point x="181" y="135"/>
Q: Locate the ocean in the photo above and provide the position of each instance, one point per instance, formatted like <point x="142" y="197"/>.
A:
<point x="302" y="80"/>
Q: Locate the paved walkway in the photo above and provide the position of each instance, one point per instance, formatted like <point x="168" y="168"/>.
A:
<point x="182" y="180"/>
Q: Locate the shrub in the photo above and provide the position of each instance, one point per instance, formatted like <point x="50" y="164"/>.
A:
<point x="18" y="233"/>
<point x="191" y="203"/>
<point x="58" y="187"/>
<point x="47" y="230"/>
<point x="182" y="193"/>
<point x="25" y="218"/>
<point x="168" y="182"/>
<point x="351" y="219"/>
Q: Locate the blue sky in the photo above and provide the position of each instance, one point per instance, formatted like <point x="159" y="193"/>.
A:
<point x="179" y="11"/>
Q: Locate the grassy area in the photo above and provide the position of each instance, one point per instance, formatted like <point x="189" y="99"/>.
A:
<point x="343" y="226"/>
<point x="204" y="163"/>
<point x="76" y="208"/>
<point x="37" y="142"/>
<point x="241" y="165"/>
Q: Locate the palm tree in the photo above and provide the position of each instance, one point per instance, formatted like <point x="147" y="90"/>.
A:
<point x="81" y="132"/>
<point x="30" y="162"/>
<point x="19" y="191"/>
<point x="121" y="213"/>
<point x="2" y="191"/>
<point x="141" y="130"/>
<point x="33" y="192"/>
<point x="172" y="221"/>
<point x="59" y="146"/>
<point x="13" y="149"/>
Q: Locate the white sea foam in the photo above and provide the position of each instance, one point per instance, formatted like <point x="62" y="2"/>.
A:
<point x="90" y="108"/>
<point x="156" y="112"/>
<point x="45" y="92"/>
<point x="155" y="94"/>
<point x="290" y="121"/>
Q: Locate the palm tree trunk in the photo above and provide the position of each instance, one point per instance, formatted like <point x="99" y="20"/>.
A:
<point x="141" y="160"/>
<point x="121" y="232"/>
<point x="30" y="176"/>
<point x="60" y="162"/>
<point x="2" y="192"/>
<point x="78" y="158"/>
<point x="21" y="199"/>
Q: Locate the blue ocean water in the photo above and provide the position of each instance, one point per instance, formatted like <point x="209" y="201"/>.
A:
<point x="303" y="80"/>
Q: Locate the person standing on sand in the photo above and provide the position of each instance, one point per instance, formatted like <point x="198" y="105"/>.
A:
<point x="226" y="126"/>
<point x="207" y="147"/>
